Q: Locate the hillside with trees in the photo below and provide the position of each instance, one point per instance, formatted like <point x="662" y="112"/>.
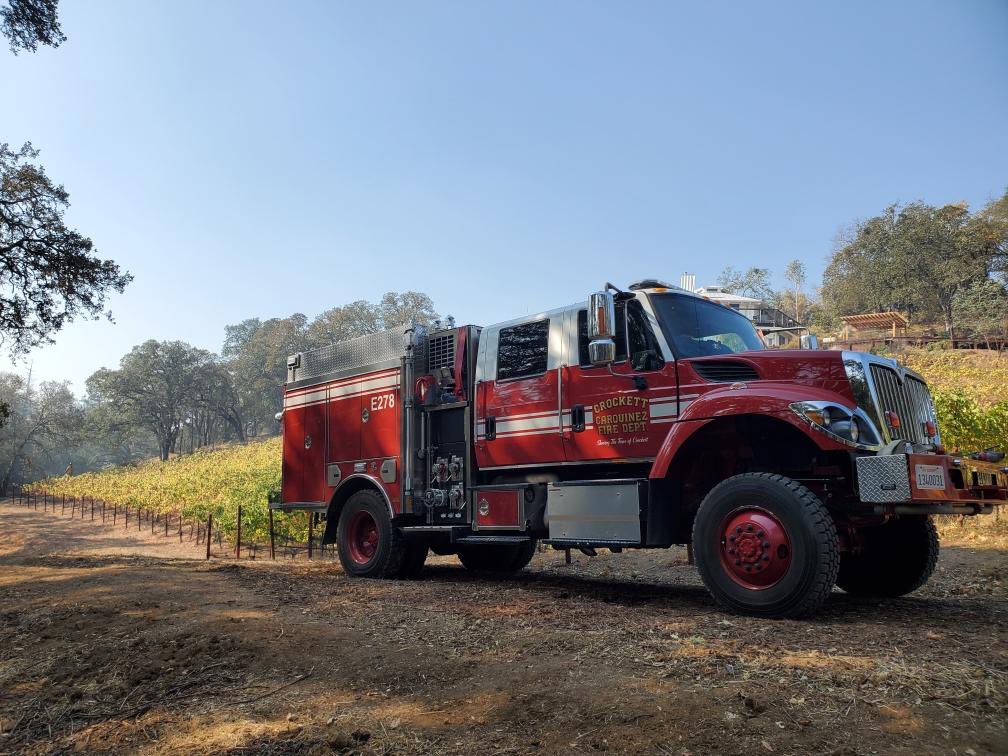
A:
<point x="169" y="397"/>
<point x="945" y="268"/>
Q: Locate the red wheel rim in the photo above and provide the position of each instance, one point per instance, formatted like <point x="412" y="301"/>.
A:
<point x="362" y="537"/>
<point x="755" y="548"/>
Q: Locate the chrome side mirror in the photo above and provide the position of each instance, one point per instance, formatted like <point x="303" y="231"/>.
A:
<point x="601" y="328"/>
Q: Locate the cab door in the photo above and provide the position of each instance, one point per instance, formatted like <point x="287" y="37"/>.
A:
<point x="623" y="414"/>
<point x="518" y="398"/>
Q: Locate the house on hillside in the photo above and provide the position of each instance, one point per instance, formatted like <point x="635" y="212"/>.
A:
<point x="735" y="301"/>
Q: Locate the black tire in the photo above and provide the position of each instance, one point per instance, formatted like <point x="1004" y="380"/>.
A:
<point x="384" y="555"/>
<point x="896" y="558"/>
<point x="794" y="565"/>
<point x="495" y="558"/>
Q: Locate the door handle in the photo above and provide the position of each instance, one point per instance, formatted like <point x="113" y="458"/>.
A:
<point x="490" y="428"/>
<point x="578" y="418"/>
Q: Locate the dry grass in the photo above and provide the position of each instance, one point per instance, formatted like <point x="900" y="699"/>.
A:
<point x="984" y="531"/>
<point x="623" y="653"/>
<point x="980" y="373"/>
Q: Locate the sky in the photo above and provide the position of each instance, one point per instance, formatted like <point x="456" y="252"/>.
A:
<point x="254" y="159"/>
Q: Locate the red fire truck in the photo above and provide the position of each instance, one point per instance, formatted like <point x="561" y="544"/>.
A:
<point x="642" y="418"/>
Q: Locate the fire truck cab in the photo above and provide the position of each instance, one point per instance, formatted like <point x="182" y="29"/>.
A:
<point x="642" y="418"/>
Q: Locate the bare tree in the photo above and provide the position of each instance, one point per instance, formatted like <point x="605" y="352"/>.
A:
<point x="795" y="274"/>
<point x="754" y="282"/>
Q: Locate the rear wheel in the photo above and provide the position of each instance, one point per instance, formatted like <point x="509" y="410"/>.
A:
<point x="368" y="545"/>
<point x="894" y="559"/>
<point x="495" y="558"/>
<point x="765" y="545"/>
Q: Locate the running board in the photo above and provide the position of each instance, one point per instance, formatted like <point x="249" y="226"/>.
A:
<point x="500" y="540"/>
<point x="563" y="543"/>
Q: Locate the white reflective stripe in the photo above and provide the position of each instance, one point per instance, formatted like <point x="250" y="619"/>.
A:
<point x="509" y="425"/>
<point x="663" y="410"/>
<point x="345" y="382"/>
<point x="527" y="415"/>
<point x="345" y="391"/>
<point x="303" y="399"/>
<point x="659" y="407"/>
<point x="386" y="381"/>
<point x="518" y="434"/>
<point x="356" y="389"/>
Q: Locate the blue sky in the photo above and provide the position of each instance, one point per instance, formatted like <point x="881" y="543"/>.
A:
<point x="259" y="158"/>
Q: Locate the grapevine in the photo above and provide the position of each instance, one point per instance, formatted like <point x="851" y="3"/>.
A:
<point x="197" y="486"/>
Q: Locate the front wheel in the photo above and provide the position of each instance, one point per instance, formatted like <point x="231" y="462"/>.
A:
<point x="766" y="545"/>
<point x="894" y="559"/>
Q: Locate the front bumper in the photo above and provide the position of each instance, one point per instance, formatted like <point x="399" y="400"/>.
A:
<point x="931" y="483"/>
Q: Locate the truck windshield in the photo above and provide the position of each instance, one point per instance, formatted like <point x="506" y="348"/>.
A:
<point x="695" y="327"/>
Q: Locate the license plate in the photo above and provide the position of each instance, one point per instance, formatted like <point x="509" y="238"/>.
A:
<point x="930" y="477"/>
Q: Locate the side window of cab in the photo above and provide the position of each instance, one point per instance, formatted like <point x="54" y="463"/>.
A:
<point x="645" y="351"/>
<point x="523" y="350"/>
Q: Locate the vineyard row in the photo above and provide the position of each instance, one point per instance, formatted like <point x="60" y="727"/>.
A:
<point x="203" y="532"/>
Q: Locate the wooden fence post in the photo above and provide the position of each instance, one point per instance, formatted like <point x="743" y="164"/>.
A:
<point x="238" y="539"/>
<point x="272" y="544"/>
<point x="311" y="532"/>
<point x="209" y="530"/>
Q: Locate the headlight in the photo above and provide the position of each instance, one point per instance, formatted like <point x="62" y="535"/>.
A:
<point x="850" y="427"/>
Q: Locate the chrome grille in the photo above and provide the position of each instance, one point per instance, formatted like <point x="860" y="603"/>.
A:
<point x="908" y="397"/>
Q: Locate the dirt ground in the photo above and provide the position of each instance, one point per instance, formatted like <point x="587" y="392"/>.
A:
<point x="115" y="641"/>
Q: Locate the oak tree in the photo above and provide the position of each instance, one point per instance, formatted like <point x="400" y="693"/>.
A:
<point x="30" y="23"/>
<point x="48" y="271"/>
<point x="156" y="385"/>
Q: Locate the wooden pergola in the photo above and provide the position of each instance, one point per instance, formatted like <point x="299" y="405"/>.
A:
<point x="874" y="320"/>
